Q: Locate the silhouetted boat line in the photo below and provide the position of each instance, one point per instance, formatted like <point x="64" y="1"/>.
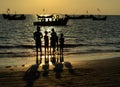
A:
<point x="51" y="20"/>
<point x="79" y="16"/>
<point x="99" y="18"/>
<point x="5" y="16"/>
<point x="14" y="16"/>
<point x="93" y="17"/>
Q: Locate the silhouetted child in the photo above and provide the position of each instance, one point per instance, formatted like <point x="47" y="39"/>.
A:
<point x="46" y="40"/>
<point x="54" y="40"/>
<point x="61" y="40"/>
<point x="46" y="45"/>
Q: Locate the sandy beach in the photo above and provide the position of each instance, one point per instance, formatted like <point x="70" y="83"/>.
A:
<point x="89" y="73"/>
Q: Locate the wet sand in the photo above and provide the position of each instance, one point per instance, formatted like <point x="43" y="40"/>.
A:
<point x="92" y="73"/>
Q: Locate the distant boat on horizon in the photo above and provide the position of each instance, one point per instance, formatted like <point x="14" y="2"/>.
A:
<point x="99" y="17"/>
<point x="51" y="20"/>
<point x="13" y="16"/>
<point x="79" y="16"/>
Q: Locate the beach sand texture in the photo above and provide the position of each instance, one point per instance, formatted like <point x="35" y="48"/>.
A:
<point x="92" y="73"/>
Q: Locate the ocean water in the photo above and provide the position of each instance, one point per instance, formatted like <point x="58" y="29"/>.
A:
<point x="82" y="36"/>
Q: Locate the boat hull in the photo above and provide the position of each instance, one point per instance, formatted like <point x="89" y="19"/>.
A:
<point x="98" y="18"/>
<point x="5" y="16"/>
<point x="14" y="17"/>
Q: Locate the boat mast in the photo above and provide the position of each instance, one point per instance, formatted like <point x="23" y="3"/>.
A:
<point x="98" y="11"/>
<point x="8" y="11"/>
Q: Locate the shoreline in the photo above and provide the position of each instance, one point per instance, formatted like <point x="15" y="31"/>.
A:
<point x="104" y="72"/>
<point x="27" y="61"/>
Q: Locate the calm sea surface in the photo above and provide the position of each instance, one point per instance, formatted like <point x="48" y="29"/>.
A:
<point x="81" y="36"/>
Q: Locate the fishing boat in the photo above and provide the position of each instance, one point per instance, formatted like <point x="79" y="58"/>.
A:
<point x="13" y="16"/>
<point x="17" y="17"/>
<point x="74" y="16"/>
<point x="51" y="20"/>
<point x="99" y="17"/>
<point x="85" y="16"/>
<point x="5" y="16"/>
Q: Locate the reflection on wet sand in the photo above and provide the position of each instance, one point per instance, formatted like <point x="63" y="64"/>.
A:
<point x="45" y="61"/>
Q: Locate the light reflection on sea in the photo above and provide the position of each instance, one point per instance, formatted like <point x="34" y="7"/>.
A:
<point x="81" y="37"/>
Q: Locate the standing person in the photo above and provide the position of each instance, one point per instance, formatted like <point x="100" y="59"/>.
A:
<point x="46" y="40"/>
<point x="37" y="37"/>
<point x="61" y="40"/>
<point x="54" y="40"/>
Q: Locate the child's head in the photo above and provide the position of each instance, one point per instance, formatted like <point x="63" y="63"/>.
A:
<point x="53" y="30"/>
<point x="46" y="32"/>
<point x="61" y="34"/>
<point x="38" y="28"/>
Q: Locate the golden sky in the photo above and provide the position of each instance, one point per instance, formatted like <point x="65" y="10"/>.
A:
<point x="61" y="6"/>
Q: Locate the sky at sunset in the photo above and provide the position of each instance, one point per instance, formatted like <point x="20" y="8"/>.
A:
<point x="111" y="7"/>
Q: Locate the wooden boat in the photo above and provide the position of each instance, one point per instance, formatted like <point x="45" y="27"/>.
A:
<point x="74" y="16"/>
<point x="17" y="17"/>
<point x="5" y="16"/>
<point x="79" y="16"/>
<point x="51" y="20"/>
<point x="14" y="17"/>
<point x="99" y="18"/>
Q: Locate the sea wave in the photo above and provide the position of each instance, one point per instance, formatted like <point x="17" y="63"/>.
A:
<point x="18" y="46"/>
<point x="16" y="54"/>
<point x="65" y="45"/>
<point x="66" y="52"/>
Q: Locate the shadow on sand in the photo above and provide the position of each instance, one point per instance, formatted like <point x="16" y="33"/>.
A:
<point x="59" y="64"/>
<point x="45" y="69"/>
<point x="69" y="66"/>
<point x="31" y="75"/>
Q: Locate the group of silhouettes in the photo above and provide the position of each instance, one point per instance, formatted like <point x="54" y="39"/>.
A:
<point x="51" y="44"/>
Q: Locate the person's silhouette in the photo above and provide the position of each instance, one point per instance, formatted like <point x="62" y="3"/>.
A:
<point x="61" y="40"/>
<point x="37" y="37"/>
<point x="46" y="41"/>
<point x="54" y="40"/>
